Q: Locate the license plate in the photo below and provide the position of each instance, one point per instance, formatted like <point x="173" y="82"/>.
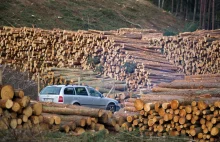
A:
<point x="48" y="100"/>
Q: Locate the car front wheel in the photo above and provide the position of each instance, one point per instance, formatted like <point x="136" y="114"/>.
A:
<point x="111" y="107"/>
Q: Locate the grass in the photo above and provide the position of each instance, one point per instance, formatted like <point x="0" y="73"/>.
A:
<point x="101" y="136"/>
<point x="85" y="14"/>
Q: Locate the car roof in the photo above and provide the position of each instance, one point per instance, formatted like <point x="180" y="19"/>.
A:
<point x="67" y="86"/>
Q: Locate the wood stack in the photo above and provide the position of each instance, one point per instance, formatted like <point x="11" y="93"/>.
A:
<point x="109" y="52"/>
<point x="16" y="111"/>
<point x="195" y="52"/>
<point x="183" y="107"/>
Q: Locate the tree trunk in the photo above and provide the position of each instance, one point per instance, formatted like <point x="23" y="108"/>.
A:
<point x="181" y="6"/>
<point x="209" y="12"/>
<point x="159" y="3"/>
<point x="162" y="3"/>
<point x="201" y="10"/>
<point x="213" y="14"/>
<point x="204" y="14"/>
<point x="177" y="7"/>
<point x="187" y="10"/>
<point x="172" y="6"/>
<point x="194" y="15"/>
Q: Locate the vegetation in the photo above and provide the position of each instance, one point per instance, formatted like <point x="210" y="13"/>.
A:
<point x="130" y="67"/>
<point x="101" y="136"/>
<point x="86" y="14"/>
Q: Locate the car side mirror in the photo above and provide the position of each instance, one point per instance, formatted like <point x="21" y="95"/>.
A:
<point x="101" y="96"/>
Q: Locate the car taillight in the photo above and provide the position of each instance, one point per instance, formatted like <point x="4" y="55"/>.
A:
<point x="60" y="99"/>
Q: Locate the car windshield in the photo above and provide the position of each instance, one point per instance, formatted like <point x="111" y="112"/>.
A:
<point x="51" y="90"/>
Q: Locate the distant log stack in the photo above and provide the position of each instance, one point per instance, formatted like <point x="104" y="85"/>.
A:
<point x="124" y="54"/>
<point x="195" y="52"/>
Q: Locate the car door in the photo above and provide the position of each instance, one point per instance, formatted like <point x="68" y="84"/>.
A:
<point x="69" y="95"/>
<point x="96" y="97"/>
<point x="83" y="96"/>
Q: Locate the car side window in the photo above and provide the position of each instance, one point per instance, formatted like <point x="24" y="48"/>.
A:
<point x="93" y="92"/>
<point x="69" y="91"/>
<point x="81" y="91"/>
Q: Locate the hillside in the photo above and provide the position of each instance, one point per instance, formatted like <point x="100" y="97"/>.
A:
<point x="86" y="14"/>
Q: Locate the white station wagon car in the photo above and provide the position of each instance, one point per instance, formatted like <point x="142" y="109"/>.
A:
<point x="77" y="95"/>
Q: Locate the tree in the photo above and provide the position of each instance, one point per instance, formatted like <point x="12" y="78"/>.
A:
<point x="201" y="10"/>
<point x="159" y="3"/>
<point x="204" y="14"/>
<point x="172" y="5"/>
<point x="177" y="7"/>
<point x="163" y="4"/>
<point x="213" y="14"/>
<point x="194" y="15"/>
<point x="209" y="11"/>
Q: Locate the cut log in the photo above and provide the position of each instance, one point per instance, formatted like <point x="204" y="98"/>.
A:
<point x="71" y="109"/>
<point x="23" y="102"/>
<point x="37" y="108"/>
<point x="13" y="123"/>
<point x="189" y="85"/>
<point x="18" y="93"/>
<point x="27" y="111"/>
<point x="16" y="107"/>
<point x="139" y="104"/>
<point x="7" y="92"/>
<point x="6" y="103"/>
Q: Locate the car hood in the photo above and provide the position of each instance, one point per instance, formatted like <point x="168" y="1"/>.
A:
<point x="110" y="99"/>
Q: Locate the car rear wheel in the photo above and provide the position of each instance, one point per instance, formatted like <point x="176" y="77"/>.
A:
<point x="111" y="107"/>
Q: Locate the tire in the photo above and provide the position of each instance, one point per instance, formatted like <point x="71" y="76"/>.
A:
<point x="111" y="107"/>
<point x="77" y="104"/>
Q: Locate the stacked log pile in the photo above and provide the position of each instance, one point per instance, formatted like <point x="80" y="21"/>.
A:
<point x="16" y="111"/>
<point x="183" y="107"/>
<point x="111" y="53"/>
<point x="195" y="52"/>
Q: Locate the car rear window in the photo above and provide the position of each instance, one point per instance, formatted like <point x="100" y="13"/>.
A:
<point x="51" y="90"/>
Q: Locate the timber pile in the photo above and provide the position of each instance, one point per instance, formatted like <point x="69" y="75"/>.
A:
<point x="195" y="52"/>
<point x="196" y="119"/>
<point x="16" y="111"/>
<point x="112" y="53"/>
<point x="78" y="119"/>
<point x="183" y="107"/>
